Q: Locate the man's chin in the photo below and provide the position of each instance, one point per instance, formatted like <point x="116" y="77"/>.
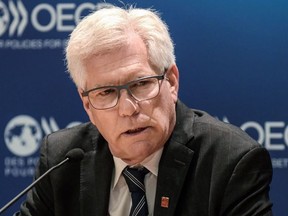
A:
<point x="135" y="159"/>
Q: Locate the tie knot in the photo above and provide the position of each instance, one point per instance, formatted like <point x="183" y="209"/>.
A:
<point x="135" y="178"/>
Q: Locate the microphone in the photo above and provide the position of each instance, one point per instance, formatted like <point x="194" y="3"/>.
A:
<point x="73" y="155"/>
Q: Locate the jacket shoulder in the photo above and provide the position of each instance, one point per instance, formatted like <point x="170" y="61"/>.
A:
<point x="56" y="145"/>
<point x="218" y="132"/>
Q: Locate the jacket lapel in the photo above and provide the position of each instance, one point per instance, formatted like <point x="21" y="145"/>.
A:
<point x="174" y="163"/>
<point x="173" y="169"/>
<point x="95" y="179"/>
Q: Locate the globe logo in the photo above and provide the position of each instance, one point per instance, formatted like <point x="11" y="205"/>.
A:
<point x="23" y="135"/>
<point x="4" y="18"/>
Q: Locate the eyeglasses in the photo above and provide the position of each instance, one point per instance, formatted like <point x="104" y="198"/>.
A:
<point x="107" y="97"/>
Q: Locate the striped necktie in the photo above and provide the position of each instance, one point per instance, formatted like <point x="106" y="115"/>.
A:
<point x="135" y="180"/>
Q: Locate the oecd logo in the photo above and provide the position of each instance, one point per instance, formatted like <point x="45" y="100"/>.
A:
<point x="4" y="18"/>
<point x="23" y="135"/>
<point x="19" y="15"/>
<point x="61" y="17"/>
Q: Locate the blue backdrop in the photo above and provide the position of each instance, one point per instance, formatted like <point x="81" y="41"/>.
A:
<point x="232" y="57"/>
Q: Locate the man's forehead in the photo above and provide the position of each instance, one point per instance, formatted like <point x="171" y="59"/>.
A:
<point x="110" y="63"/>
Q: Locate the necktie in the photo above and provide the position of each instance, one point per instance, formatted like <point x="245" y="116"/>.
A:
<point x="135" y="180"/>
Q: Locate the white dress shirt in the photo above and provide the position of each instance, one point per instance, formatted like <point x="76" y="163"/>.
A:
<point x="120" y="199"/>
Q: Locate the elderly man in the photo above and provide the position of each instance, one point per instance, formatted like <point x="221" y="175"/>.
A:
<point x="145" y="152"/>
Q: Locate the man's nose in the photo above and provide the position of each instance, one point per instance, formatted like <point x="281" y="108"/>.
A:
<point x="128" y="106"/>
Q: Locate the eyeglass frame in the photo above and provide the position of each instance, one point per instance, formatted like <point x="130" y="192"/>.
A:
<point x="126" y="86"/>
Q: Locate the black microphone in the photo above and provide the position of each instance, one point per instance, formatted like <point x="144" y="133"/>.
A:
<point x="76" y="154"/>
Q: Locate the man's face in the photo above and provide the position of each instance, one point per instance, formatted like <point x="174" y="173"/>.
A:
<point x="134" y="130"/>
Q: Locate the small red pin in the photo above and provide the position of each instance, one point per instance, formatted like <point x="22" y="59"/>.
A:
<point x="164" y="202"/>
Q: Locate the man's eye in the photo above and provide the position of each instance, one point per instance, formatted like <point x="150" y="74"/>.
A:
<point x="144" y="82"/>
<point x="141" y="83"/>
<point x="106" y="92"/>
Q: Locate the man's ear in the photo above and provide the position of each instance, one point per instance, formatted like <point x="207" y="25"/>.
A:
<point x="173" y="79"/>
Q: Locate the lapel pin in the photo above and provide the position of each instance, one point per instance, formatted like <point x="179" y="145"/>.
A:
<point x="164" y="202"/>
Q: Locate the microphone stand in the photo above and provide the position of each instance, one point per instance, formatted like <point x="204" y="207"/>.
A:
<point x="32" y="185"/>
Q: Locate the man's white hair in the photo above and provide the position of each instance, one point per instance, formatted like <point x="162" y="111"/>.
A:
<point x="105" y="31"/>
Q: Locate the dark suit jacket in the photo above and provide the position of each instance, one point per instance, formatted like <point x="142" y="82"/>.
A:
<point x="207" y="168"/>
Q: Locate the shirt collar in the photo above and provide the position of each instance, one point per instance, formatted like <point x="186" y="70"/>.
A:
<point x="150" y="163"/>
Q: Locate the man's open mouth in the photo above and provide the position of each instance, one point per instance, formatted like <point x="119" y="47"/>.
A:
<point x="135" y="131"/>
